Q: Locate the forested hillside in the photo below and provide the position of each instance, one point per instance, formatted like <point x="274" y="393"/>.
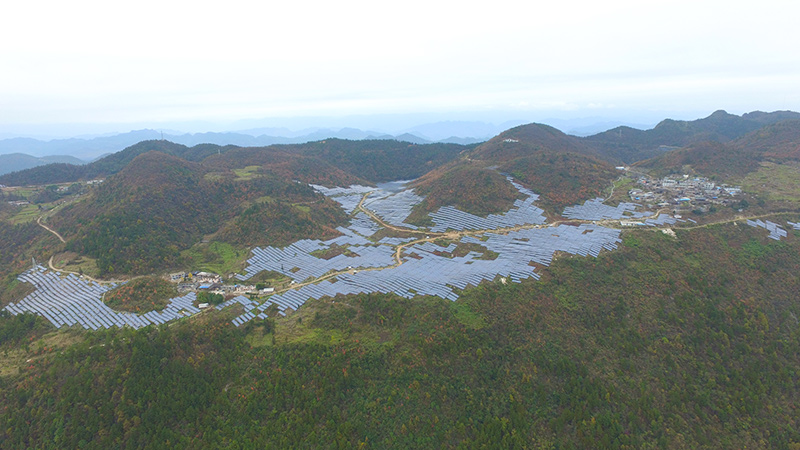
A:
<point x="687" y="342"/>
<point x="141" y="219"/>
<point x="558" y="167"/>
<point x="562" y="179"/>
<point x="374" y="160"/>
<point x="471" y="188"/>
<point x="109" y="165"/>
<point x="380" y="160"/>
<point x="631" y="145"/>
<point x="777" y="143"/>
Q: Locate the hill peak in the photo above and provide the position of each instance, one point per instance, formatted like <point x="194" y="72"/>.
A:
<point x="525" y="140"/>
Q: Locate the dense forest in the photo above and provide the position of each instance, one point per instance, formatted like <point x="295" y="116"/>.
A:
<point x="687" y="342"/>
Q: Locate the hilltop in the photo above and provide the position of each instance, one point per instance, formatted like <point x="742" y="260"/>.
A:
<point x="374" y="160"/>
<point x="526" y="139"/>
<point x="560" y="168"/>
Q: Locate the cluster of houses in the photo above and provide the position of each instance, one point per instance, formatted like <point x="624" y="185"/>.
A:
<point x="683" y="191"/>
<point x="212" y="283"/>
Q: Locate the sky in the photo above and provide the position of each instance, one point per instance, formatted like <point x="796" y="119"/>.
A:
<point x="90" y="65"/>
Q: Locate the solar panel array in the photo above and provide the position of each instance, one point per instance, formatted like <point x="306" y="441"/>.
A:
<point x="387" y="200"/>
<point x="393" y="208"/>
<point x="433" y="270"/>
<point x="297" y="262"/>
<point x="596" y="210"/>
<point x="348" y="197"/>
<point x="363" y="225"/>
<point x="662" y="219"/>
<point x="438" y="275"/>
<point x="71" y="301"/>
<point x="775" y="230"/>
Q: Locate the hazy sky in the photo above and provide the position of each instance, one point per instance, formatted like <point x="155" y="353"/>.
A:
<point x="87" y="61"/>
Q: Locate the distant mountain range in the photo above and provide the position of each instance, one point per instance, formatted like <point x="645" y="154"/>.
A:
<point x="18" y="161"/>
<point x="89" y="149"/>
<point x="462" y="132"/>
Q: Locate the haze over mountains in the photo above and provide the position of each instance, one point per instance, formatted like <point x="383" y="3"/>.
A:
<point x="89" y="147"/>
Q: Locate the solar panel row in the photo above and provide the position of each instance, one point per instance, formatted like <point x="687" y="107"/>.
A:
<point x="775" y="230"/>
<point x="523" y="213"/>
<point x="596" y="210"/>
<point x="432" y="273"/>
<point x="71" y="301"/>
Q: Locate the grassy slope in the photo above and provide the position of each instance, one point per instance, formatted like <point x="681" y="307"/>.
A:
<point x="667" y="343"/>
<point x="775" y="182"/>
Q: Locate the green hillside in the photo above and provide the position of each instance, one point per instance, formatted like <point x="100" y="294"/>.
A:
<point x="142" y="218"/>
<point x="470" y="188"/>
<point x="686" y="338"/>
<point x="374" y="160"/>
<point x="687" y="342"/>
<point x="524" y="140"/>
<point x="109" y="165"/>
<point x="380" y="160"/>
<point x="777" y="143"/>
<point x="561" y="178"/>
<point x="558" y="167"/>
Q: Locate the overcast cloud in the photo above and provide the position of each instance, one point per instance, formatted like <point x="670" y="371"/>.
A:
<point x="170" y="61"/>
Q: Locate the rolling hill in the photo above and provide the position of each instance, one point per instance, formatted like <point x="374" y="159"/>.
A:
<point x="373" y="160"/>
<point x="558" y="167"/>
<point x="776" y="143"/>
<point x="142" y="218"/>
<point x="631" y="145"/>
<point x="15" y="162"/>
<point x="108" y="165"/>
<point x="526" y="139"/>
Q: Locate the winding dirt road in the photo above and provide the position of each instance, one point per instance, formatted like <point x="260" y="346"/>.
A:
<point x="39" y="221"/>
